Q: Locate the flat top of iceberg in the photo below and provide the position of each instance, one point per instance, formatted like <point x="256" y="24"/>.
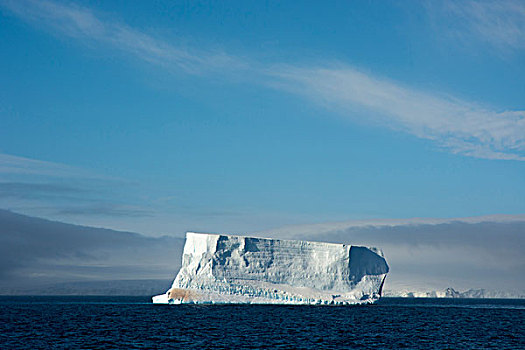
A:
<point x="202" y="237"/>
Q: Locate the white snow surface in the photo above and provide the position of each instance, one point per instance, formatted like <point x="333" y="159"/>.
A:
<point x="452" y="293"/>
<point x="237" y="269"/>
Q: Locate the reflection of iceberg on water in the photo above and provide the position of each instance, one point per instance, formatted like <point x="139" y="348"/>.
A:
<point x="235" y="269"/>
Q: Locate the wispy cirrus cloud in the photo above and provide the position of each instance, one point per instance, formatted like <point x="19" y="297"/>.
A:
<point x="15" y="165"/>
<point x="42" y="187"/>
<point x="106" y="209"/>
<point x="29" y="190"/>
<point x="499" y="23"/>
<point x="462" y="127"/>
<point x="81" y="23"/>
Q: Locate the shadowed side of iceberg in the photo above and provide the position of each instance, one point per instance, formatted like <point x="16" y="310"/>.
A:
<point x="366" y="261"/>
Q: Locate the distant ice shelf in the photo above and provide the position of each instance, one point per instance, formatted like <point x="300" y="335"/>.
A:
<point x="452" y="293"/>
<point x="247" y="270"/>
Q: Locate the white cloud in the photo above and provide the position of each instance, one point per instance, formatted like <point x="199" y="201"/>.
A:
<point x="14" y="165"/>
<point x="500" y="23"/>
<point x="462" y="127"/>
<point x="319" y="229"/>
<point x="81" y="23"/>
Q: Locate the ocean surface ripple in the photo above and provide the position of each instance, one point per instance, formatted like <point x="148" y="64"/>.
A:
<point x="134" y="323"/>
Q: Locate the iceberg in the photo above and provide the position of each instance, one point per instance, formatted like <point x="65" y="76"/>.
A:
<point x="248" y="270"/>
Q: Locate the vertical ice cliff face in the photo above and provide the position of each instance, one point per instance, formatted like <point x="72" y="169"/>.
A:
<point x="236" y="269"/>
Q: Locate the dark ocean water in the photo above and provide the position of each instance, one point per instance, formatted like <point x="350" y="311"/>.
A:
<point x="133" y="322"/>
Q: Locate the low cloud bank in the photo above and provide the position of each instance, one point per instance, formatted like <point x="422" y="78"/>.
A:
<point x="37" y="254"/>
<point x="435" y="254"/>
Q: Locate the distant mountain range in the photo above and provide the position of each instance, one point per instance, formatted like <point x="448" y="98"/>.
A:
<point x="452" y="293"/>
<point x="147" y="287"/>
<point x="39" y="256"/>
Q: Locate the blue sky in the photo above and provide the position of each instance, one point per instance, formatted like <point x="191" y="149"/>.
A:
<point x="161" y="117"/>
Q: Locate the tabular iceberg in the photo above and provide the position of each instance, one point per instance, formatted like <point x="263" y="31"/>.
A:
<point x="236" y="269"/>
